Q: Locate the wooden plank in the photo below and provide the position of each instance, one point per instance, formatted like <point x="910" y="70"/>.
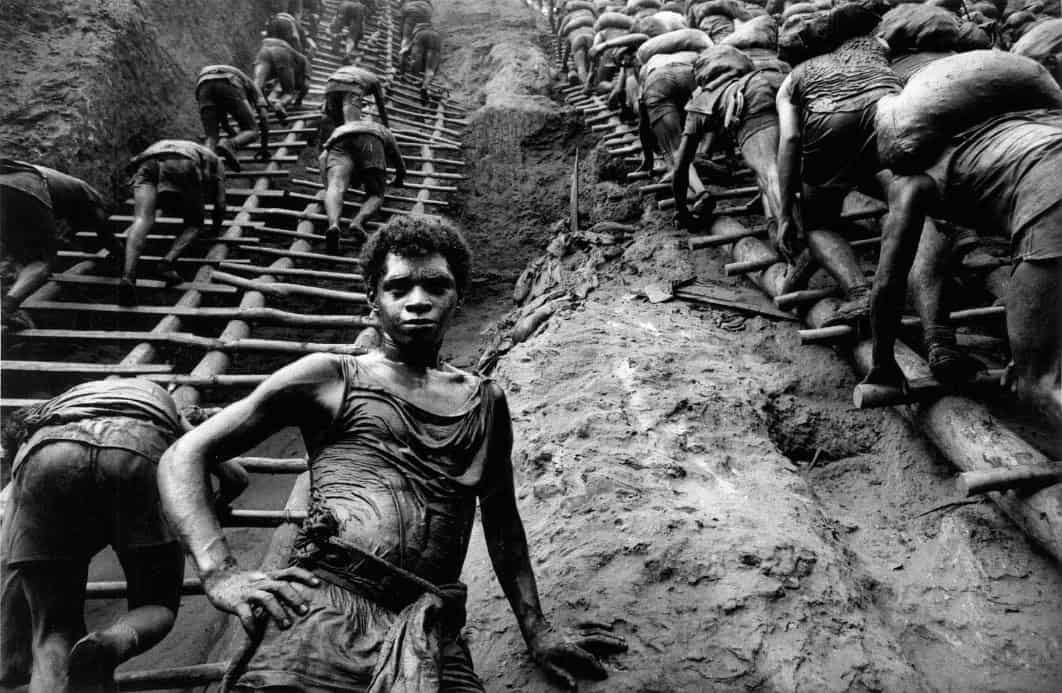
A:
<point x="84" y="368"/>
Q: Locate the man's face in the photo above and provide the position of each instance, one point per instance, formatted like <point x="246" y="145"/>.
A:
<point x="416" y="299"/>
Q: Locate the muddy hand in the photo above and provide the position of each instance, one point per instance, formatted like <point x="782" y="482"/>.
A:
<point x="242" y="592"/>
<point x="564" y="659"/>
<point x="790" y="239"/>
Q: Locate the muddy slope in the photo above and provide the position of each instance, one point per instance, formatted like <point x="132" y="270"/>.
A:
<point x="699" y="481"/>
<point x="91" y="82"/>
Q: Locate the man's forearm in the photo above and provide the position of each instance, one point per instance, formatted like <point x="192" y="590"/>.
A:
<point x="184" y="489"/>
<point x="512" y="565"/>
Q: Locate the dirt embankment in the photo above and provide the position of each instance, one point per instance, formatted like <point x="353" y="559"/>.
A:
<point x="88" y="83"/>
<point x="698" y="479"/>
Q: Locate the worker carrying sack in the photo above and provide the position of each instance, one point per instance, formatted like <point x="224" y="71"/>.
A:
<point x="761" y="32"/>
<point x="951" y="95"/>
<point x="613" y="20"/>
<point x="673" y="42"/>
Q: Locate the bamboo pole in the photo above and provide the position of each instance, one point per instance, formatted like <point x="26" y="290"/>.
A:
<point x="827" y="334"/>
<point x="288" y="289"/>
<point x="413" y="186"/>
<point x="294" y="272"/>
<point x="1023" y="479"/>
<point x="251" y="314"/>
<point x="150" y="284"/>
<point x="305" y="255"/>
<point x="227" y="344"/>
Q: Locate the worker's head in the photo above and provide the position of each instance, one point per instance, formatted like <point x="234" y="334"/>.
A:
<point x="416" y="270"/>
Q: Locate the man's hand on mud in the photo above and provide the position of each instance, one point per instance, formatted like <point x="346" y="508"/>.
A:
<point x="566" y="658"/>
<point x="243" y="592"/>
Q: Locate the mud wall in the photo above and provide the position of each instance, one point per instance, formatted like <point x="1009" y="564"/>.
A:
<point x="88" y="83"/>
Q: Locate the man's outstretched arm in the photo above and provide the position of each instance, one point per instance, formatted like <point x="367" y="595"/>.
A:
<point x="561" y="657"/>
<point x="305" y="394"/>
<point x="789" y="182"/>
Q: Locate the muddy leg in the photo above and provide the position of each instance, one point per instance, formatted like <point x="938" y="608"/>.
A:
<point x="760" y="152"/>
<point x="1035" y="334"/>
<point x="145" y="200"/>
<point x="338" y="174"/>
<point x="55" y="592"/>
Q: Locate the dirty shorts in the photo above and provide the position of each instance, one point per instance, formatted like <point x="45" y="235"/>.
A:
<point x="81" y="486"/>
<point x="178" y="178"/>
<point x="277" y="56"/>
<point x="839" y="145"/>
<point x="362" y="153"/>
<point x="667" y="89"/>
<point x="333" y="648"/>
<point x="28" y="231"/>
<point x="220" y="98"/>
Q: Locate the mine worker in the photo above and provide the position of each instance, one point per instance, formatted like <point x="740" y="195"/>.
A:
<point x="401" y="446"/>
<point x="826" y="148"/>
<point x="413" y="12"/>
<point x="577" y="44"/>
<point x="286" y="27"/>
<point x="277" y="60"/>
<point x="735" y="99"/>
<point x="348" y="25"/>
<point x="360" y="150"/>
<point x="424" y="57"/>
<point x="666" y="86"/>
<point x="1000" y="175"/>
<point x="32" y="199"/>
<point x="178" y="177"/>
<point x="84" y="478"/>
<point x="344" y="97"/>
<point x="223" y="91"/>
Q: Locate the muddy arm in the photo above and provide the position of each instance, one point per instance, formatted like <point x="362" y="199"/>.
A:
<point x="789" y="182"/>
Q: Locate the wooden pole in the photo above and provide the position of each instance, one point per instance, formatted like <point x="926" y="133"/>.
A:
<point x="871" y="396"/>
<point x="171" y="677"/>
<point x="1023" y="479"/>
<point x="287" y="289"/>
<point x="573" y="196"/>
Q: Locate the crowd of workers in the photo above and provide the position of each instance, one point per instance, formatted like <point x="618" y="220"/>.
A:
<point x="819" y="99"/>
<point x="948" y="112"/>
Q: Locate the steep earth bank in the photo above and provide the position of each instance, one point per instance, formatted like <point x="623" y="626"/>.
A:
<point x="88" y="83"/>
<point x="698" y="479"/>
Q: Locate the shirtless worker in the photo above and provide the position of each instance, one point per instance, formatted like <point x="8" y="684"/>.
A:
<point x="223" y="91"/>
<point x="344" y="97"/>
<point x="735" y="99"/>
<point x="400" y="448"/>
<point x="277" y="60"/>
<point x="179" y="177"/>
<point x="32" y="199"/>
<point x="349" y="24"/>
<point x="84" y="478"/>
<point x="424" y="57"/>
<point x="362" y="150"/>
<point x="286" y="27"/>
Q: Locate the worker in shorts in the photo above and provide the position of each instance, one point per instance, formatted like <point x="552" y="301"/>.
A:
<point x="84" y="478"/>
<point x="424" y="57"/>
<point x="413" y="12"/>
<point x="277" y="60"/>
<point x="179" y="177"/>
<point x="286" y="27"/>
<point x="359" y="150"/>
<point x="32" y="199"/>
<point x="223" y="91"/>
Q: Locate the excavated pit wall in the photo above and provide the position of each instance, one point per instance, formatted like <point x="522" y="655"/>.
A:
<point x="89" y="83"/>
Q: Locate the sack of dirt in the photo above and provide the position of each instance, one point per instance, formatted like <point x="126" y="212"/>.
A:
<point x="1042" y="43"/>
<point x="761" y="32"/>
<point x="807" y="35"/>
<point x="951" y="95"/>
<point x="919" y="28"/>
<point x="716" y="26"/>
<point x="797" y="8"/>
<point x="972" y="37"/>
<point x="673" y="42"/>
<point x="613" y="20"/>
<point x="659" y="23"/>
<point x="573" y="5"/>
<point x="579" y="20"/>
<point x="635" y="6"/>
<point x="719" y="64"/>
<point x="631" y="41"/>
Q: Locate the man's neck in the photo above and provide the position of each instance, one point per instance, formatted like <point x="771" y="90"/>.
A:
<point x="419" y="359"/>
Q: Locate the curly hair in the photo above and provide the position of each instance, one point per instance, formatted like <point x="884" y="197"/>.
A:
<point x="416" y="236"/>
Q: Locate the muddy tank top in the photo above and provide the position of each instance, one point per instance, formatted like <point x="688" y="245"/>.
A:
<point x="849" y="78"/>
